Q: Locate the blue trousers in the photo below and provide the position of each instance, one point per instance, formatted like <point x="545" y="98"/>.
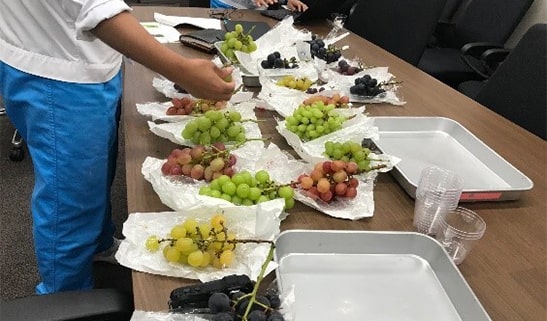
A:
<point x="71" y="133"/>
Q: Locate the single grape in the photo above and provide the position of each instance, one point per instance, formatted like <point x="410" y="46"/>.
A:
<point x="178" y="231"/>
<point x="152" y="243"/>
<point x="219" y="302"/>
<point x="262" y="176"/>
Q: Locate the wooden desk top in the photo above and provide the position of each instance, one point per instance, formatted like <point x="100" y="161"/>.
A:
<point x="506" y="269"/>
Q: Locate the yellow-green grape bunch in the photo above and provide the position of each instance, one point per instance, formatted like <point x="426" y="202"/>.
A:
<point x="302" y="83"/>
<point x="245" y="189"/>
<point x="215" y="126"/>
<point x="351" y="152"/>
<point x="197" y="244"/>
<point x="315" y="120"/>
<point x="237" y="40"/>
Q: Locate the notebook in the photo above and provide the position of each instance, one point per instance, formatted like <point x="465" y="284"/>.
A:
<point x="317" y="9"/>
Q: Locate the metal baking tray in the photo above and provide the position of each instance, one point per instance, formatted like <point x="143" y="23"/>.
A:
<point x="248" y="79"/>
<point x="381" y="276"/>
<point x="425" y="141"/>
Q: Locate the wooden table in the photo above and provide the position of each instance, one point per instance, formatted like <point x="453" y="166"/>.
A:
<point x="506" y="269"/>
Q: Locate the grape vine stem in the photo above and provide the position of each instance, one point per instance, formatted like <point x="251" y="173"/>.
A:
<point x="258" y="281"/>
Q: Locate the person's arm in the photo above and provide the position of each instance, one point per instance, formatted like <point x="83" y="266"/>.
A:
<point x="264" y="3"/>
<point x="200" y="77"/>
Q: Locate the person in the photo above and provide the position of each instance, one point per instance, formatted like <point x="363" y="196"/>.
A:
<point x="295" y="5"/>
<point x="61" y="82"/>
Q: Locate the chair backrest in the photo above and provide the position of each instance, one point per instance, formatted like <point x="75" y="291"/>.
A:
<point x="486" y="21"/>
<point x="400" y="27"/>
<point x="517" y="90"/>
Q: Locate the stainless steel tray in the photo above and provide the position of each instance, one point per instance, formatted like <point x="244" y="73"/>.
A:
<point x="426" y="141"/>
<point x="362" y="275"/>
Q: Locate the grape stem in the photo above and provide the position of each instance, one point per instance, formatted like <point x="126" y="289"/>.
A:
<point x="252" y="300"/>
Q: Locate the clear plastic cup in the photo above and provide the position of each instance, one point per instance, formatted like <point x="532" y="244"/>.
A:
<point x="438" y="192"/>
<point x="458" y="231"/>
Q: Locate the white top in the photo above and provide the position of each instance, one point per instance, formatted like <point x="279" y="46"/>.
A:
<point x="52" y="38"/>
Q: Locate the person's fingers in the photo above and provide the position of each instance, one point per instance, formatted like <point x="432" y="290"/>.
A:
<point x="224" y="72"/>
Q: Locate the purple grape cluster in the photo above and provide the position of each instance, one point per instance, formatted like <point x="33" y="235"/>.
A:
<point x="233" y="307"/>
<point x="366" y="86"/>
<point x="346" y="69"/>
<point x="274" y="60"/>
<point x="329" y="53"/>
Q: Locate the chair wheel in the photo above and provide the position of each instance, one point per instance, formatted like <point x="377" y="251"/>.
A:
<point x="16" y="154"/>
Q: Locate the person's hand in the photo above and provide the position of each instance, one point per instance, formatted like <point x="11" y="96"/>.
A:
<point x="297" y="5"/>
<point x="203" y="79"/>
<point x="264" y="3"/>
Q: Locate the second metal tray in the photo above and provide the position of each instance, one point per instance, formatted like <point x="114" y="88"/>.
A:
<point x="443" y="142"/>
<point x="362" y="275"/>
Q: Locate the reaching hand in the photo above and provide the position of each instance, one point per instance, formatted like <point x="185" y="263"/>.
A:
<point x="264" y="3"/>
<point x="297" y="5"/>
<point x="203" y="79"/>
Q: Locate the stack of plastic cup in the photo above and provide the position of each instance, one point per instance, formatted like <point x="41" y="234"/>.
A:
<point x="457" y="232"/>
<point x="438" y="193"/>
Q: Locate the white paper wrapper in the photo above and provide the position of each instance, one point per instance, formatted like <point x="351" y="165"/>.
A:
<point x="337" y="81"/>
<point x="355" y="129"/>
<point x="182" y="192"/>
<point x="173" y="131"/>
<point x="157" y="111"/>
<point x="282" y="36"/>
<point x="139" y="315"/>
<point x="285" y="100"/>
<point x="260" y="222"/>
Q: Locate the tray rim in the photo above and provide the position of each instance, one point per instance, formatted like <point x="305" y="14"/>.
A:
<point x="409" y="234"/>
<point x="410" y="187"/>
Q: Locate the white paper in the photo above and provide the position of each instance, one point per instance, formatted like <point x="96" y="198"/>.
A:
<point x="245" y="222"/>
<point x="162" y="33"/>
<point x="173" y="21"/>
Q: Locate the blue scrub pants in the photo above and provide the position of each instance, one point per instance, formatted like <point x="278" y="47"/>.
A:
<point x="71" y="133"/>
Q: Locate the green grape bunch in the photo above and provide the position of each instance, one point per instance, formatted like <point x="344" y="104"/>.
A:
<point x="237" y="40"/>
<point x="352" y="152"/>
<point x="215" y="126"/>
<point x="314" y="120"/>
<point x="245" y="189"/>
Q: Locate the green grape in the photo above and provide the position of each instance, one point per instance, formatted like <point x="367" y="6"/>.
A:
<point x="238" y="28"/>
<point x="286" y="192"/>
<point x="178" y="231"/>
<point x="262" y="176"/>
<point x="205" y="190"/>
<point x="172" y="254"/>
<point x="289" y="203"/>
<point x="234" y="116"/>
<point x="238" y="179"/>
<point x="152" y="243"/>
<point x="243" y="190"/>
<point x="229" y="188"/>
<point x="195" y="258"/>
<point x="254" y="193"/>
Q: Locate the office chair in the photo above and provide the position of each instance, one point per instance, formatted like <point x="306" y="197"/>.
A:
<point x="400" y="27"/>
<point x="92" y="305"/>
<point x="477" y="25"/>
<point x="517" y="89"/>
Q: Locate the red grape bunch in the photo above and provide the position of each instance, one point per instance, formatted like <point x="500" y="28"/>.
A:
<point x="330" y="180"/>
<point x="346" y="69"/>
<point x="200" y="162"/>
<point x="187" y="106"/>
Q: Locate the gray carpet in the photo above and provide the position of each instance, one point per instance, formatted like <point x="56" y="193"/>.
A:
<point x="18" y="270"/>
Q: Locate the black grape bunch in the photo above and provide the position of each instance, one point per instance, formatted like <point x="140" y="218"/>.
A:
<point x="328" y="53"/>
<point x="274" y="61"/>
<point x="366" y="86"/>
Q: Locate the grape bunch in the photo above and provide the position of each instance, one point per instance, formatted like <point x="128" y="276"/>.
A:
<point x="215" y="126"/>
<point x="187" y="106"/>
<point x="237" y="40"/>
<point x="274" y="60"/>
<point x="200" y="162"/>
<point x="314" y="90"/>
<point x="330" y="180"/>
<point x="330" y="53"/>
<point x="336" y="100"/>
<point x="292" y="82"/>
<point x="366" y="86"/>
<point x="235" y="306"/>
<point x="197" y="244"/>
<point x="314" y="120"/>
<point x="346" y="69"/>
<point x="245" y="189"/>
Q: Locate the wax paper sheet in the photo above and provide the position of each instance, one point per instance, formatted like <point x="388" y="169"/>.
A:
<point x="258" y="222"/>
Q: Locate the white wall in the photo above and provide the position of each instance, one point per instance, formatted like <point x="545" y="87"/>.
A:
<point x="536" y="14"/>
